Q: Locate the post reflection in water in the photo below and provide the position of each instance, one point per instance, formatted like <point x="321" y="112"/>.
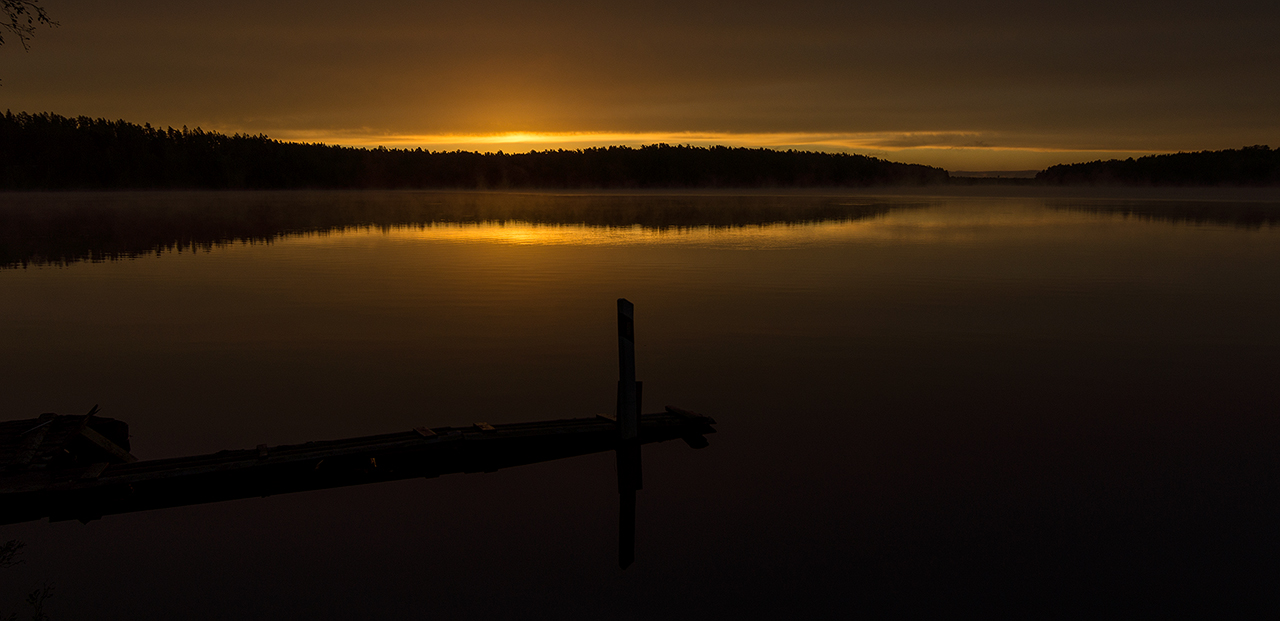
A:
<point x="925" y="404"/>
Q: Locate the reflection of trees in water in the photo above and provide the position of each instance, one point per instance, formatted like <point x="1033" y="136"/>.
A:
<point x="1240" y="214"/>
<point x="60" y="228"/>
<point x="9" y="552"/>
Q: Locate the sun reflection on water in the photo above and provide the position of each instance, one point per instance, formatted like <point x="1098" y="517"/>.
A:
<point x="952" y="223"/>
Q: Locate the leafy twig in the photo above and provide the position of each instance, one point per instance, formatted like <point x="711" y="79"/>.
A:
<point x="21" y="18"/>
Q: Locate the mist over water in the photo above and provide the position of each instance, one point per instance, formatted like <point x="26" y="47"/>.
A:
<point x="925" y="403"/>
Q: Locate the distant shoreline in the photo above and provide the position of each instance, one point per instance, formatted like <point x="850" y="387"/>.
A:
<point x="1203" y="193"/>
<point x="51" y="152"/>
<point x="1233" y="194"/>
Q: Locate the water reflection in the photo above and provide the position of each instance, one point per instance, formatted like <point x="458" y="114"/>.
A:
<point x="1248" y="215"/>
<point x="985" y="406"/>
<point x="43" y="228"/>
<point x="61" y="228"/>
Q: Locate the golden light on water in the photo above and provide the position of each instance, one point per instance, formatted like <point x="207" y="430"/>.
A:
<point x="533" y="234"/>
<point x="957" y="222"/>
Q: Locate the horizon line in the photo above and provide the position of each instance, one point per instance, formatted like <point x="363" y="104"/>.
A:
<point x="947" y="150"/>
<point x="960" y="150"/>
<point x="874" y="141"/>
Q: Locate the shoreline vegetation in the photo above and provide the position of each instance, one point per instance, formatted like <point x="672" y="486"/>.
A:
<point x="1258" y="165"/>
<point x="47" y="151"/>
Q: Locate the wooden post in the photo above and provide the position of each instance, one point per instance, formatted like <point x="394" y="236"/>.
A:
<point x="628" y="429"/>
<point x="628" y="451"/>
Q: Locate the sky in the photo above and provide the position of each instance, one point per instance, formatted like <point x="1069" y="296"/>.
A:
<point x="996" y="85"/>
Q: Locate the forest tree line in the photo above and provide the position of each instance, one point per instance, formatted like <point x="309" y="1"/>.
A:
<point x="1258" y="165"/>
<point x="48" y="151"/>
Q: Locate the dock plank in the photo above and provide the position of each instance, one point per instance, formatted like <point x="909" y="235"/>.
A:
<point x="97" y="489"/>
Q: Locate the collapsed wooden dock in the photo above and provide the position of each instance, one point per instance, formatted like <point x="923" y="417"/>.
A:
<point x="79" y="467"/>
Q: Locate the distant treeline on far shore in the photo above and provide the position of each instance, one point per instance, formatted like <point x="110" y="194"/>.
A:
<point x="50" y="152"/>
<point x="1258" y="165"/>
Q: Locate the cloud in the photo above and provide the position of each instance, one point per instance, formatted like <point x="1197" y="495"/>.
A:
<point x="1090" y="76"/>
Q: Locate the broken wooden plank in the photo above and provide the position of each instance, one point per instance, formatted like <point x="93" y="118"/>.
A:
<point x="32" y="440"/>
<point x="112" y="449"/>
<point x="94" y="471"/>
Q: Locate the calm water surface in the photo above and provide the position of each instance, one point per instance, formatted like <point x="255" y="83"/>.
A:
<point x="926" y="404"/>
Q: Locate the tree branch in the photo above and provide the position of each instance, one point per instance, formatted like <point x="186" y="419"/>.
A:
<point x="21" y="18"/>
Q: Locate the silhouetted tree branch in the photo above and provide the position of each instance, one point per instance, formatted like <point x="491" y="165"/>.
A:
<point x="21" y="18"/>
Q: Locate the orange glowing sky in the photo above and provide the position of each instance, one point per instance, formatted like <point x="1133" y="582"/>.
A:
<point x="966" y="86"/>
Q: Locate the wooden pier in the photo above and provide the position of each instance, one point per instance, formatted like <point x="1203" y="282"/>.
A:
<point x="80" y="468"/>
<point x="74" y="467"/>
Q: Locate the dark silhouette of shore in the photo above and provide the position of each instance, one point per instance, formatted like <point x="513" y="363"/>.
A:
<point x="46" y="151"/>
<point x="1258" y="165"/>
<point x="52" y="152"/>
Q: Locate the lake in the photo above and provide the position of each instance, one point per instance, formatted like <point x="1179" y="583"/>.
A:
<point x="1046" y="403"/>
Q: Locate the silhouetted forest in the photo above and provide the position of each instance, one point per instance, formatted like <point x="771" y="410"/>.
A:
<point x="48" y="151"/>
<point x="1248" y="166"/>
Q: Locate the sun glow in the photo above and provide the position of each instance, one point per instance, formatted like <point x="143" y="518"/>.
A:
<point x="953" y="150"/>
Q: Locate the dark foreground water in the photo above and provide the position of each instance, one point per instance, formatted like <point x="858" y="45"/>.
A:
<point x="927" y="405"/>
